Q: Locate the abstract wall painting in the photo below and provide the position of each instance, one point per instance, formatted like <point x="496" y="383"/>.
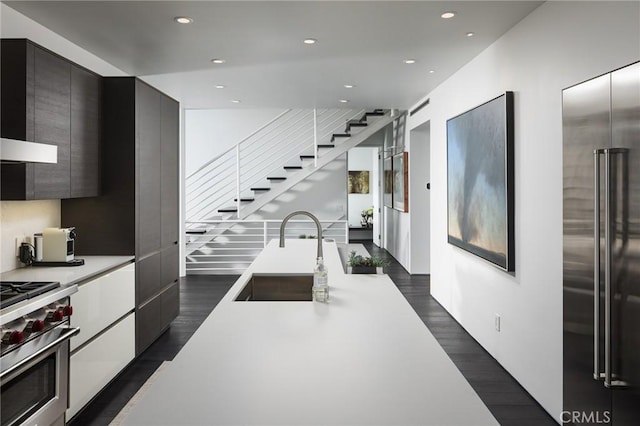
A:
<point x="480" y="181"/>
<point x="358" y="182"/>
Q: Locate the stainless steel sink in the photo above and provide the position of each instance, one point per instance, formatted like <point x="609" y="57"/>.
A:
<point x="277" y="288"/>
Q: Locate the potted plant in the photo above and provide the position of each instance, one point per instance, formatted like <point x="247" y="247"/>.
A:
<point x="359" y="264"/>
<point x="367" y="218"/>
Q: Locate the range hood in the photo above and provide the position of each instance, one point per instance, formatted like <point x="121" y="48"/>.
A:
<point x="17" y="151"/>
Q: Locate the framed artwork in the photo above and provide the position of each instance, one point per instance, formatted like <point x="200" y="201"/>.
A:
<point x="387" y="193"/>
<point x="400" y="169"/>
<point x="358" y="182"/>
<point x="480" y="181"/>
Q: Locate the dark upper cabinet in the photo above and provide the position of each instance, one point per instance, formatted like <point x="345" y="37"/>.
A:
<point x="48" y="99"/>
<point x="16" y="114"/>
<point x="52" y="123"/>
<point x="137" y="211"/>
<point x="86" y="107"/>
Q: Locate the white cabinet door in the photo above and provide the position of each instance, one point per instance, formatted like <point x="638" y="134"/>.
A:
<point x="93" y="366"/>
<point x="101" y="302"/>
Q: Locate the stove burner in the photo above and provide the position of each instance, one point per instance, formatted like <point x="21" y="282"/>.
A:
<point x="12" y="292"/>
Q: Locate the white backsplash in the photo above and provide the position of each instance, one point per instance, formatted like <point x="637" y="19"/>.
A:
<point x="26" y="218"/>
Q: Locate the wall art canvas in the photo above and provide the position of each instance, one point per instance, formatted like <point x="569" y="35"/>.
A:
<point x="358" y="182"/>
<point x="401" y="181"/>
<point x="480" y="181"/>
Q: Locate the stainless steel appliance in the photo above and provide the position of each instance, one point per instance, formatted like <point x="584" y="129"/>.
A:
<point x="601" y="253"/>
<point x="34" y="352"/>
<point x="18" y="151"/>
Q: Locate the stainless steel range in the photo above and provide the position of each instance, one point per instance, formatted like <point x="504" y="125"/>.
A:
<point x="34" y="352"/>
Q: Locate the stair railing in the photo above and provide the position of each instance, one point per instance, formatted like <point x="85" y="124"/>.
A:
<point x="233" y="250"/>
<point x="262" y="154"/>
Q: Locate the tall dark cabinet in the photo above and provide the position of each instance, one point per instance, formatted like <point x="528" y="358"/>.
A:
<point x="137" y="212"/>
<point x="46" y="98"/>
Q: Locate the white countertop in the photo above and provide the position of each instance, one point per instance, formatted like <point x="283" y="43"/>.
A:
<point x="66" y="275"/>
<point x="364" y="358"/>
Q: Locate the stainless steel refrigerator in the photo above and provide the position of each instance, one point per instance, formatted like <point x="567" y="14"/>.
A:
<point x="601" y="253"/>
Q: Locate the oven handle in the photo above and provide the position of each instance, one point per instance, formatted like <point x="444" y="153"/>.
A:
<point x="69" y="333"/>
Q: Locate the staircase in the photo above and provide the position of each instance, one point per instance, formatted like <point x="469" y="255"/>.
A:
<point x="265" y="165"/>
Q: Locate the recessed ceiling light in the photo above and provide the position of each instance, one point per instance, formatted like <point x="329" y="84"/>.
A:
<point x="220" y="86"/>
<point x="235" y="101"/>
<point x="183" y="20"/>
<point x="344" y="101"/>
<point x="409" y="61"/>
<point x="218" y="61"/>
<point x="448" y="15"/>
<point x="470" y="34"/>
<point x="349" y="86"/>
<point x="431" y="71"/>
<point x="309" y="41"/>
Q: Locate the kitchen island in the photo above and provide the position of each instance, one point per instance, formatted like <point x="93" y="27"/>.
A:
<point x="364" y="358"/>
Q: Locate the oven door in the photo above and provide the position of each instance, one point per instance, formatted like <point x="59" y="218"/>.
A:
<point x="34" y="380"/>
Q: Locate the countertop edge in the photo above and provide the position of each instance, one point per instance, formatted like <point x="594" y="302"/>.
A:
<point x="70" y="275"/>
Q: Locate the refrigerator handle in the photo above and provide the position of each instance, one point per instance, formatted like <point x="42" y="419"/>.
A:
<point x="609" y="380"/>
<point x="597" y="375"/>
<point x="607" y="269"/>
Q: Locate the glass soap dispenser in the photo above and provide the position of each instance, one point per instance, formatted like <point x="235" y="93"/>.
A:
<point x="320" y="288"/>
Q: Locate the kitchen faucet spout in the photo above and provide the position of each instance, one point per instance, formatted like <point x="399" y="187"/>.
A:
<point x="304" y="213"/>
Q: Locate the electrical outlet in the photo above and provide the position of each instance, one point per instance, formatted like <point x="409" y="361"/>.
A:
<point x="497" y="322"/>
<point x="19" y="240"/>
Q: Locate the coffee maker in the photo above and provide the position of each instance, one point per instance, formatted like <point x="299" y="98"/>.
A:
<point x="55" y="247"/>
<point x="58" y="244"/>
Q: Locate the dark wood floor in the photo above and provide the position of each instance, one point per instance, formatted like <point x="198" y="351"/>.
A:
<point x="506" y="399"/>
<point x="199" y="294"/>
<point x="509" y="403"/>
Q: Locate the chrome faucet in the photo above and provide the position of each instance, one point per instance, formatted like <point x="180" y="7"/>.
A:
<point x="315" y="219"/>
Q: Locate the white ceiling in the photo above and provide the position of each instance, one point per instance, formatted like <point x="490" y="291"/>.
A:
<point x="359" y="42"/>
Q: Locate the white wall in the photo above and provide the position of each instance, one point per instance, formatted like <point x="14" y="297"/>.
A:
<point x="28" y="217"/>
<point x="397" y="234"/>
<point x="420" y="200"/>
<point x="16" y="25"/>
<point x="376" y="190"/>
<point x="557" y="45"/>
<point x="23" y="218"/>
<point x="361" y="159"/>
<point x="324" y="193"/>
<point x="210" y="132"/>
<point x="396" y="225"/>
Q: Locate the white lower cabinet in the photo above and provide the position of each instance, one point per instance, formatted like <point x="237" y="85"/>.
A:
<point x="94" y="365"/>
<point x="102" y="301"/>
<point x="103" y="308"/>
